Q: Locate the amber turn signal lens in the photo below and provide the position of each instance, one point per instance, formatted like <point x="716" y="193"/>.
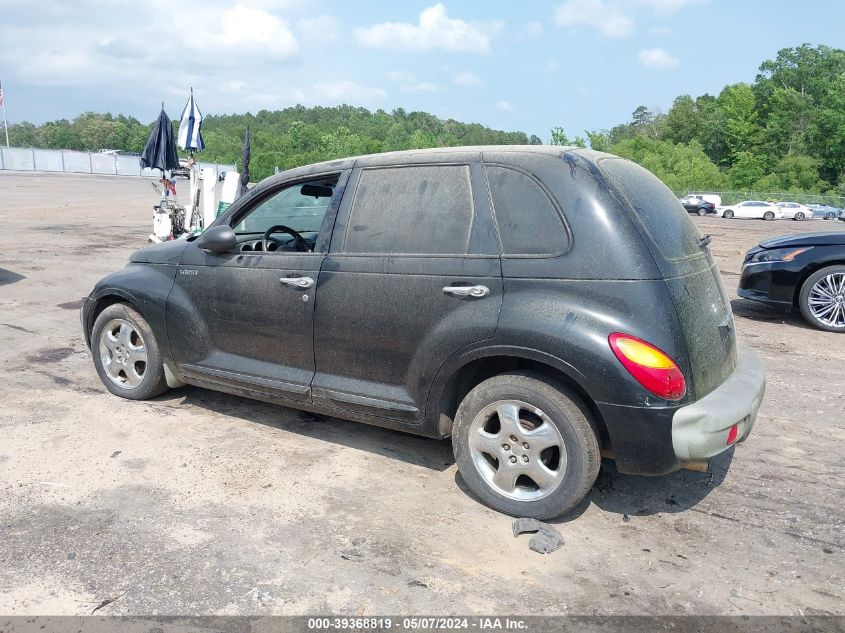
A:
<point x="649" y="366"/>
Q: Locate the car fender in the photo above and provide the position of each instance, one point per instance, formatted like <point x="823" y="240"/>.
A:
<point x="144" y="286"/>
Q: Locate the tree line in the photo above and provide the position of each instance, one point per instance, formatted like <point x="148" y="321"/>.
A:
<point x="783" y="132"/>
<point x="280" y="139"/>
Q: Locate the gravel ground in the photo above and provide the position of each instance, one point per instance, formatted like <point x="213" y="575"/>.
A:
<point x="204" y="503"/>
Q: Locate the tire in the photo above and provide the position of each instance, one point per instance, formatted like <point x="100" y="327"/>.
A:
<point x="799" y="216"/>
<point x="567" y="466"/>
<point x="702" y="212"/>
<point x="828" y="216"/>
<point x="728" y="214"/>
<point x="813" y="314"/>
<point x="768" y="216"/>
<point x="126" y="354"/>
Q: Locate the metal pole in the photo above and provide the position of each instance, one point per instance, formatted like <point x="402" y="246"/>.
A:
<point x="5" y="124"/>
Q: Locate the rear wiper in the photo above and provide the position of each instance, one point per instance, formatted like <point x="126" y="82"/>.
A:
<point x="704" y="241"/>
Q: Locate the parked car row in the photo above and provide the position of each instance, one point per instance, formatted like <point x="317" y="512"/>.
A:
<point x="703" y="204"/>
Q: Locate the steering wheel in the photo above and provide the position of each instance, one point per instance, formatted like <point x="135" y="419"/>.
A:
<point x="298" y="241"/>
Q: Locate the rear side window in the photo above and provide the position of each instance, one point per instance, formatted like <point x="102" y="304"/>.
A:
<point x="661" y="214"/>
<point x="529" y="222"/>
<point x="413" y="210"/>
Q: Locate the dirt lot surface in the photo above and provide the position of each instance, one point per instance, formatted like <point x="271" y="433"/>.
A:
<point x="203" y="503"/>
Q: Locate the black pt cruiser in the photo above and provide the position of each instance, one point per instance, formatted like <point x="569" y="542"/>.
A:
<point x="539" y="305"/>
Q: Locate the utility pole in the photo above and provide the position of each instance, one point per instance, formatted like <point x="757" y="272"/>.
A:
<point x="5" y="123"/>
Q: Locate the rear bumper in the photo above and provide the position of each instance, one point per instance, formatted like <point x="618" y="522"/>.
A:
<point x="700" y="430"/>
<point x="657" y="440"/>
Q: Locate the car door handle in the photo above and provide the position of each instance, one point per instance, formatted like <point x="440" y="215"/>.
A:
<point x="476" y="292"/>
<point x="297" y="282"/>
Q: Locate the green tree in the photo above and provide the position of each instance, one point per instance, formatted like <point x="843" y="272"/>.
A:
<point x="742" y="124"/>
<point x="559" y="137"/>
<point x="682" y="123"/>
<point x="599" y="140"/>
<point x="747" y="170"/>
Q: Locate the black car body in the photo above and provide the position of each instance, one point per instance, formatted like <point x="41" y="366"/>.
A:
<point x="418" y="279"/>
<point x="789" y="271"/>
<point x="698" y="206"/>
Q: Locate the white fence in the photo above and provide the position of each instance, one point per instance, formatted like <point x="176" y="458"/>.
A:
<point x="72" y="161"/>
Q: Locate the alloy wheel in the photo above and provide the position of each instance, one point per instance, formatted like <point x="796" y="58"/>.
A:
<point x="827" y="300"/>
<point x="123" y="353"/>
<point x="517" y="450"/>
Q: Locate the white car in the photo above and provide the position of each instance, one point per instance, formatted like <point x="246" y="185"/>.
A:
<point x="795" y="211"/>
<point x="707" y="197"/>
<point x="752" y="209"/>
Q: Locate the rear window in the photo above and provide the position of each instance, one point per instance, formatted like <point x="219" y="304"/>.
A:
<point x="661" y="215"/>
<point x="529" y="222"/>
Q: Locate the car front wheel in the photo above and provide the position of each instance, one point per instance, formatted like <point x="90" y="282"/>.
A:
<point x="822" y="299"/>
<point x="126" y="354"/>
<point x="525" y="445"/>
<point x="728" y="214"/>
<point x="769" y="216"/>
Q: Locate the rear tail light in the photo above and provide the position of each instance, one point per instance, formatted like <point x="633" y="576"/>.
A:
<point x="732" y="434"/>
<point x="649" y="366"/>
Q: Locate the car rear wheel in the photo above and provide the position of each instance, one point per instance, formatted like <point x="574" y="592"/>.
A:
<point x="728" y="214"/>
<point x="822" y="299"/>
<point x="126" y="354"/>
<point x="829" y="216"/>
<point x="702" y="211"/>
<point x="768" y="215"/>
<point x="525" y="445"/>
<point x="799" y="216"/>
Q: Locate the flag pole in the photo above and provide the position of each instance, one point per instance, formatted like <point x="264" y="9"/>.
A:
<point x="5" y="124"/>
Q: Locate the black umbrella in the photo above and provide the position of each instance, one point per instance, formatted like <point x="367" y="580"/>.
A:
<point x="244" y="178"/>
<point x="160" y="152"/>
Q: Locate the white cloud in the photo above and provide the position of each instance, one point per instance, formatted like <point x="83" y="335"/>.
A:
<point x="340" y="92"/>
<point x="532" y="30"/>
<point x="468" y="79"/>
<point x="400" y="76"/>
<point x="667" y="7"/>
<point x="504" y="106"/>
<point x="329" y="93"/>
<point x="256" y="29"/>
<point x="434" y="30"/>
<point x="660" y="30"/>
<point x="657" y="58"/>
<point x="609" y="21"/>
<point x="423" y="86"/>
<point x="323" y="28"/>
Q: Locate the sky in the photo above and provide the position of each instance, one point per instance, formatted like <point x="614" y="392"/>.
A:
<point x="524" y="65"/>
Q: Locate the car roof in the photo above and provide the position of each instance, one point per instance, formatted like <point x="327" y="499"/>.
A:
<point x="433" y="155"/>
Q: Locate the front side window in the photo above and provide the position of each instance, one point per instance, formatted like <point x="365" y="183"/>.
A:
<point x="425" y="209"/>
<point x="529" y="222"/>
<point x="300" y="207"/>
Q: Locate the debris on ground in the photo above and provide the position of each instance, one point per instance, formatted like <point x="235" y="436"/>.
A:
<point x="547" y="539"/>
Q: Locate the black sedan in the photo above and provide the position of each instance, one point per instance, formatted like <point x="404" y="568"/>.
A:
<point x="807" y="271"/>
<point x="701" y="207"/>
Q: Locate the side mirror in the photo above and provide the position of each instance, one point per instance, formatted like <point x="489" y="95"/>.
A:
<point x="218" y="239"/>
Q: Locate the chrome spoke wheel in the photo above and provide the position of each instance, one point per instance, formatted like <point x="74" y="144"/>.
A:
<point x="517" y="450"/>
<point x="123" y="353"/>
<point x="827" y="300"/>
